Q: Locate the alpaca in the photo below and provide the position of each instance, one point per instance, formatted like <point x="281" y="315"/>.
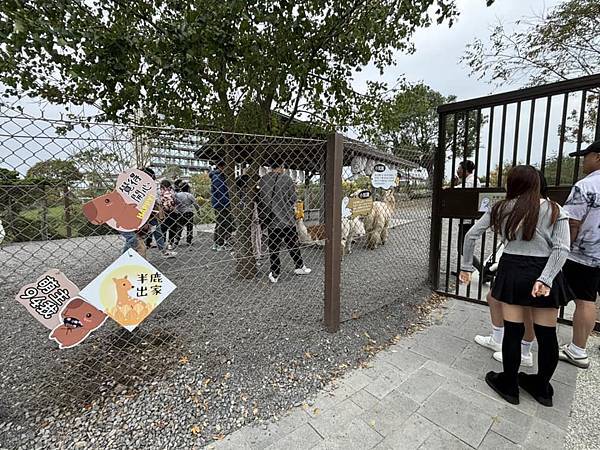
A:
<point x="378" y="220"/>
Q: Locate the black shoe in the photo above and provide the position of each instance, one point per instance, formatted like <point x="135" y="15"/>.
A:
<point x="498" y="383"/>
<point x="534" y="387"/>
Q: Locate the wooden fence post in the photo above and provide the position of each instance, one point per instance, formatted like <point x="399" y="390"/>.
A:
<point x="333" y="228"/>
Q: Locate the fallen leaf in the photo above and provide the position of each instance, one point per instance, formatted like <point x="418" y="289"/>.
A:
<point x="316" y="411"/>
<point x="307" y="355"/>
<point x="355" y="315"/>
<point x="227" y="376"/>
<point x="219" y="437"/>
<point x="196" y="429"/>
<point x="184" y="360"/>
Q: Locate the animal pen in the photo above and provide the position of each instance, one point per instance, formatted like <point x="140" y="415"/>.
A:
<point x="224" y="310"/>
<point x="539" y="126"/>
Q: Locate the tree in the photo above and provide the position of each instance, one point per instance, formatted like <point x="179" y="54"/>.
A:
<point x="567" y="169"/>
<point x="200" y="184"/>
<point x="206" y="63"/>
<point x="407" y="124"/>
<point x="60" y="175"/>
<point x="8" y="177"/>
<point x="172" y="172"/>
<point x="99" y="166"/>
<point x="559" y="44"/>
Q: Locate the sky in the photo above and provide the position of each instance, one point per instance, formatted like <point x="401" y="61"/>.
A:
<point x="439" y="48"/>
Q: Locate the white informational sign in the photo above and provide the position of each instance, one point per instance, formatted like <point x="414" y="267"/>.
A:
<point x="346" y="212"/>
<point x="383" y="177"/>
<point x="128" y="290"/>
<point x="488" y="199"/>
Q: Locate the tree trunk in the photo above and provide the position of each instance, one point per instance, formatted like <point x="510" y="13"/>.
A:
<point x="245" y="196"/>
<point x="67" y="206"/>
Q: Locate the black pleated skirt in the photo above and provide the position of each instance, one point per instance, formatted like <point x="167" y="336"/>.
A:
<point x="516" y="276"/>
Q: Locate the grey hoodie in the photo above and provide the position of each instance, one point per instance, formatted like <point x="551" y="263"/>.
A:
<point x="278" y="192"/>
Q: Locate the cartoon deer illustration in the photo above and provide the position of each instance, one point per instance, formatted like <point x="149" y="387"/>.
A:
<point x="128" y="310"/>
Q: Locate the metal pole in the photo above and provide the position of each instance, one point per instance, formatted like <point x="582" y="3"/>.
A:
<point x="436" y="219"/>
<point x="333" y="230"/>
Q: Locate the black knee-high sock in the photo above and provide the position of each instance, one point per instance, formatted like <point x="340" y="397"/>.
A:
<point x="511" y="350"/>
<point x="547" y="353"/>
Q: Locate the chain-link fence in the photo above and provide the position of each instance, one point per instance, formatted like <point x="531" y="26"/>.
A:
<point x="246" y="254"/>
<point x="386" y="235"/>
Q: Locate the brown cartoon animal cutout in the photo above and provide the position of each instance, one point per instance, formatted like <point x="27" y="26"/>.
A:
<point x="128" y="310"/>
<point x="79" y="320"/>
<point x="112" y="207"/>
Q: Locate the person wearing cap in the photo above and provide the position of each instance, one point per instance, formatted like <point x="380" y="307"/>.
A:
<point x="277" y="200"/>
<point x="582" y="269"/>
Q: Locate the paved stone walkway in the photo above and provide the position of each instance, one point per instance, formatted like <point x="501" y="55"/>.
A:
<point x="425" y="392"/>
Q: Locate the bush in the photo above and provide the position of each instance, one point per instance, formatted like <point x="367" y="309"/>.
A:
<point x="205" y="215"/>
<point x="28" y="225"/>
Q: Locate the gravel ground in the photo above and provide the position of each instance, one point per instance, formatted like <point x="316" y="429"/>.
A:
<point x="584" y="426"/>
<point x="219" y="353"/>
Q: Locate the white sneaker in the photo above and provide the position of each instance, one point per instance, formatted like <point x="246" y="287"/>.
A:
<point x="565" y="354"/>
<point x="272" y="279"/>
<point x="302" y="271"/>
<point x="526" y="360"/>
<point x="169" y="247"/>
<point x="488" y="342"/>
<point x="169" y="254"/>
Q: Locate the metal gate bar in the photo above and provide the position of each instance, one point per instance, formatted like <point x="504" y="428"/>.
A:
<point x="459" y="206"/>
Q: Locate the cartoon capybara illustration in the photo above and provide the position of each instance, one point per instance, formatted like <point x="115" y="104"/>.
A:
<point x="128" y="310"/>
<point x="79" y="320"/>
<point x="112" y="206"/>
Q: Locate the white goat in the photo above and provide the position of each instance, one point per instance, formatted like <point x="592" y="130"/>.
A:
<point x="351" y="229"/>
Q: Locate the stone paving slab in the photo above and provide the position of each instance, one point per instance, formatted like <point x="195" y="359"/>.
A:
<point x="425" y="392"/>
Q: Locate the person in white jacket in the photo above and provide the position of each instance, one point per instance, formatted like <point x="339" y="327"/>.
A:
<point x="2" y="233"/>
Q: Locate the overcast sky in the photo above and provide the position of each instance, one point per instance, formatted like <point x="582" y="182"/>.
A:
<point x="436" y="61"/>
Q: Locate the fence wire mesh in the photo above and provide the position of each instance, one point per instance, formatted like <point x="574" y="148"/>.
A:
<point x="247" y="258"/>
<point x="385" y="245"/>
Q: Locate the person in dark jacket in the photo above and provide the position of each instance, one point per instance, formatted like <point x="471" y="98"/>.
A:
<point x="219" y="200"/>
<point x="277" y="195"/>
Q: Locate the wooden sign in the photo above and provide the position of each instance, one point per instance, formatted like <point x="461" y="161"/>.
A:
<point x="360" y="207"/>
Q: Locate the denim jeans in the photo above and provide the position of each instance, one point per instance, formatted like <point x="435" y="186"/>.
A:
<point x="158" y="235"/>
<point x="130" y="240"/>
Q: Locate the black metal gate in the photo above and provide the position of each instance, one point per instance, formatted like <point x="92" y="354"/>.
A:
<point x="538" y="126"/>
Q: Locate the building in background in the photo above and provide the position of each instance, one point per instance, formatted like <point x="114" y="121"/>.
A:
<point x="176" y="158"/>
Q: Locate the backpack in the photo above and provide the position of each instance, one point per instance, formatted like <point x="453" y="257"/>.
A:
<point x="168" y="201"/>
